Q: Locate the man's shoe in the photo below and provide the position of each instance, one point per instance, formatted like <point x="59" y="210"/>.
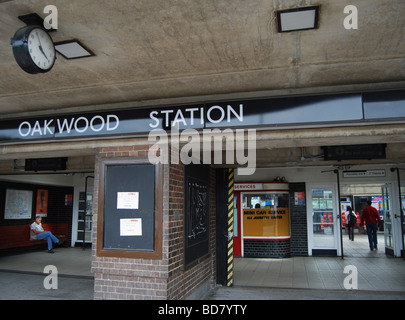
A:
<point x="61" y="241"/>
<point x="51" y="251"/>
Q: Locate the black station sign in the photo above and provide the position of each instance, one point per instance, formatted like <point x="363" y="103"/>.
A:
<point x="262" y="113"/>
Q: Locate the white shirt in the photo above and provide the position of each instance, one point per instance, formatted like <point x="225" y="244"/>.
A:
<point x="37" y="227"/>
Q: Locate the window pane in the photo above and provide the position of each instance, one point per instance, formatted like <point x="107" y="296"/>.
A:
<point x="322" y="218"/>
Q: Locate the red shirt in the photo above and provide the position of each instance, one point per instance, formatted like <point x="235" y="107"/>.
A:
<point x="370" y="215"/>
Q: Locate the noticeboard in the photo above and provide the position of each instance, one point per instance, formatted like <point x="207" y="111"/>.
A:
<point x="130" y="213"/>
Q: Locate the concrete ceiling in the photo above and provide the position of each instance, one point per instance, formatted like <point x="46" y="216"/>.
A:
<point x="173" y="51"/>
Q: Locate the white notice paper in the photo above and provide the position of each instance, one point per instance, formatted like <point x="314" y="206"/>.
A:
<point x="130" y="227"/>
<point x="127" y="200"/>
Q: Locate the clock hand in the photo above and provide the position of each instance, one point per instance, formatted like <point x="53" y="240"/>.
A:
<point x="40" y="47"/>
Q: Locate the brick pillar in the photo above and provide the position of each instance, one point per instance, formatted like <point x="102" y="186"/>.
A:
<point x="165" y="278"/>
<point x="298" y="216"/>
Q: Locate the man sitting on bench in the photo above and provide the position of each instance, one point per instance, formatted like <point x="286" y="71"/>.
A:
<point x="38" y="233"/>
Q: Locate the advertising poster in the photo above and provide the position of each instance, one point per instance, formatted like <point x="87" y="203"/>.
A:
<point x="42" y="203"/>
<point x="299" y="198"/>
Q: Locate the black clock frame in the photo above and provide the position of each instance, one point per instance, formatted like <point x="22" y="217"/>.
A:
<point x="21" y="52"/>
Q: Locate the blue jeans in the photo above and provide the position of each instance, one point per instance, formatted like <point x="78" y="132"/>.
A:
<point x="48" y="236"/>
<point x="372" y="235"/>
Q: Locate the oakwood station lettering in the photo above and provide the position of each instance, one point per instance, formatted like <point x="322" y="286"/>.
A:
<point x="81" y="124"/>
<point x="133" y="121"/>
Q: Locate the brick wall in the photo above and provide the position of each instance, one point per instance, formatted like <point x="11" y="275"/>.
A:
<point x="182" y="283"/>
<point x="267" y="249"/>
<point x="298" y="219"/>
<point x="126" y="278"/>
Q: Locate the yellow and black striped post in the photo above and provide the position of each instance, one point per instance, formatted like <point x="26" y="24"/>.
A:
<point x="230" y="227"/>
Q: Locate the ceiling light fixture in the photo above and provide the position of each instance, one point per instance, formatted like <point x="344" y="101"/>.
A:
<point x="72" y="49"/>
<point x="305" y="18"/>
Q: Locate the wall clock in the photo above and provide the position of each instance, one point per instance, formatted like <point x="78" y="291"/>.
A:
<point x="33" y="49"/>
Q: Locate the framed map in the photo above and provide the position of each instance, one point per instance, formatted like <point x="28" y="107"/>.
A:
<point x="18" y="204"/>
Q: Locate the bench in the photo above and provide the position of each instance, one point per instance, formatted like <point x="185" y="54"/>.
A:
<point x="19" y="235"/>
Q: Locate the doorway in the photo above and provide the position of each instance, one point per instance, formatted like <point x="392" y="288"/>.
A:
<point x="323" y="215"/>
<point x="383" y="198"/>
<point x="323" y="219"/>
<point x="83" y="217"/>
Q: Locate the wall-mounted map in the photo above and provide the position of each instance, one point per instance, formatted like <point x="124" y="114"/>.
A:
<point x="18" y="204"/>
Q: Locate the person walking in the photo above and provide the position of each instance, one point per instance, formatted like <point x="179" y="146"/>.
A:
<point x="371" y="218"/>
<point x="351" y="221"/>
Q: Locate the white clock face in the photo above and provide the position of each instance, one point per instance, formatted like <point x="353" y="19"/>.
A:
<point x="41" y="48"/>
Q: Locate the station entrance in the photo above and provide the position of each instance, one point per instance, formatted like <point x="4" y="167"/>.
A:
<point x="324" y="203"/>
<point x="389" y="200"/>
<point x="317" y="215"/>
<point x="325" y="229"/>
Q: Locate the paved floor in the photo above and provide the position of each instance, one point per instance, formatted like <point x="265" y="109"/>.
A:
<point x="375" y="271"/>
<point x="68" y="261"/>
<point x="22" y="276"/>
<point x="320" y="278"/>
<point x="379" y="277"/>
<point x="359" y="248"/>
<point x="257" y="293"/>
<point x="29" y="286"/>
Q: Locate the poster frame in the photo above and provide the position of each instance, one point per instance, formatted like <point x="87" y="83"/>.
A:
<point x="158" y="223"/>
<point x="28" y="194"/>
